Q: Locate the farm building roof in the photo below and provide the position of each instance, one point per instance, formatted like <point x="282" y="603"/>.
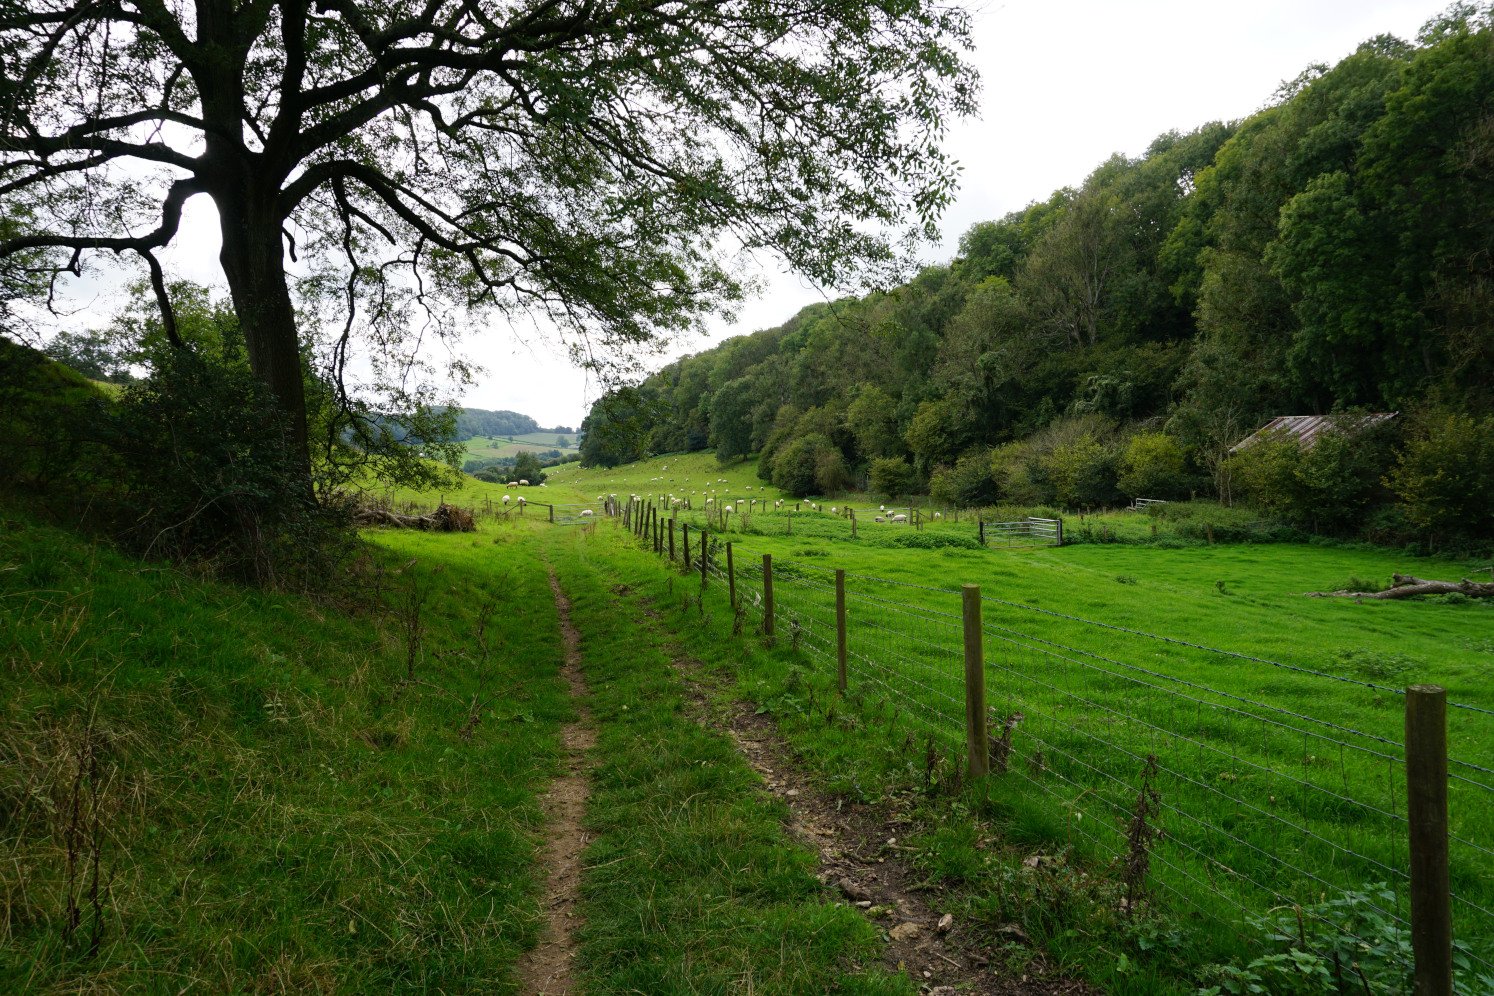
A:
<point x="1307" y="428"/>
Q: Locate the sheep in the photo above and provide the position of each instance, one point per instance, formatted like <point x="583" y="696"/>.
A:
<point x="899" y="517"/>
<point x="521" y="499"/>
<point x="586" y="512"/>
<point x="938" y="515"/>
<point x="512" y="484"/>
<point x="878" y="518"/>
<point x="881" y="508"/>
<point x="507" y="499"/>
<point x="523" y="482"/>
<point x="834" y="510"/>
<point x="728" y="509"/>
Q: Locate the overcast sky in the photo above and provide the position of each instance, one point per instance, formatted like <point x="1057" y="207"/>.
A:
<point x="1065" y="86"/>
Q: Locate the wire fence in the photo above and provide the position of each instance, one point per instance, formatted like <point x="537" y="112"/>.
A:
<point x="1277" y="786"/>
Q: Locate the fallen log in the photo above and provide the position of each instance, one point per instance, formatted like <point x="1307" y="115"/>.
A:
<point x="1406" y="586"/>
<point x="445" y="519"/>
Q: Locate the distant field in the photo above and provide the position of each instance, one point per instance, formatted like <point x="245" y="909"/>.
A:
<point x="491" y="447"/>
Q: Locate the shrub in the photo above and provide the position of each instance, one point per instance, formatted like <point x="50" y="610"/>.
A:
<point x="891" y="476"/>
<point x="1442" y="476"/>
<point x="207" y="476"/>
<point x="1152" y="466"/>
<point x="1083" y="473"/>
<point x="968" y="483"/>
<point x="796" y="466"/>
<point x="831" y="475"/>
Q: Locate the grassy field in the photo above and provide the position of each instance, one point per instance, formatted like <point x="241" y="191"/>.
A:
<point x="1277" y="784"/>
<point x="508" y="446"/>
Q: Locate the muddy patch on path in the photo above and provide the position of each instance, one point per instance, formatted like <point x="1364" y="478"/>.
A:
<point x="861" y="859"/>
<point x="548" y="969"/>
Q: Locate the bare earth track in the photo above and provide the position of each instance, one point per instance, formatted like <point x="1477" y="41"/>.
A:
<point x="548" y="968"/>
<point x="859" y="857"/>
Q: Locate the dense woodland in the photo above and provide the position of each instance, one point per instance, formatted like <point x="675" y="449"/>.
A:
<point x="1334" y="252"/>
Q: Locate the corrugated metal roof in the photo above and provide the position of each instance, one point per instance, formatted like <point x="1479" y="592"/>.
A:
<point x="1307" y="428"/>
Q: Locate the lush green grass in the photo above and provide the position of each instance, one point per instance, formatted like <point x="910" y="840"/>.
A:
<point x="691" y="884"/>
<point x="1259" y="804"/>
<point x="277" y="807"/>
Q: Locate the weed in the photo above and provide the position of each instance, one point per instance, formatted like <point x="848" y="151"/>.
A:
<point x="1139" y="836"/>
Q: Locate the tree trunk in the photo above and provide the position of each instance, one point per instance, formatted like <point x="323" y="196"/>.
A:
<point x="1406" y="586"/>
<point x="254" y="264"/>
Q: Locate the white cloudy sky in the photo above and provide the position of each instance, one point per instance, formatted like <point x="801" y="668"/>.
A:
<point x="1065" y="86"/>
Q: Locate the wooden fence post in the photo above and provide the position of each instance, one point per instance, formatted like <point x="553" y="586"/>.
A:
<point x="977" y="750"/>
<point x="1060" y="532"/>
<point x="853" y="525"/>
<point x="982" y="532"/>
<point x="1426" y="815"/>
<point x="731" y="578"/>
<point x="671" y="540"/>
<point x="705" y="557"/>
<point x="791" y="523"/>
<point x="840" y="629"/>
<point x="687" y="546"/>
<point x="767" y="594"/>
<point x="552" y="515"/>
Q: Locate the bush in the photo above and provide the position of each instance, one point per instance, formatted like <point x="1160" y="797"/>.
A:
<point x="891" y="476"/>
<point x="967" y="484"/>
<point x="1021" y="476"/>
<point x="207" y="476"/>
<point x="797" y="466"/>
<point x="1442" y="476"/>
<point x="1083" y="474"/>
<point x="1152" y="466"/>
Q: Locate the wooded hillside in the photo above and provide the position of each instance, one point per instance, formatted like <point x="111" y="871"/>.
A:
<point x="1333" y="251"/>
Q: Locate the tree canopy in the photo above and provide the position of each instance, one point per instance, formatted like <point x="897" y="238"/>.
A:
<point x="404" y="168"/>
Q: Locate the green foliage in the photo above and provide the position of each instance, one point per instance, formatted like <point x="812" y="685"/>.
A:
<point x="1442" y="476"/>
<point x="1329" y="487"/>
<point x="209" y="475"/>
<point x="967" y="484"/>
<point x="1153" y="466"/>
<point x="1339" y="945"/>
<point x="807" y="465"/>
<point x="891" y="476"/>
<point x="1329" y="252"/>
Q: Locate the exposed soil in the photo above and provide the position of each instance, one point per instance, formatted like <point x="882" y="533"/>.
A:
<point x="860" y="859"/>
<point x="548" y="968"/>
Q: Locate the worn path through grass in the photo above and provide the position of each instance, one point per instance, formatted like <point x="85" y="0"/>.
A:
<point x="548" y="969"/>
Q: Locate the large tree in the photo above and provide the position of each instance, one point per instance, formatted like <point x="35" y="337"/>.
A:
<point x="425" y="163"/>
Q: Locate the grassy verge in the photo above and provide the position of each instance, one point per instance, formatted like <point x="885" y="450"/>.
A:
<point x="691" y="884"/>
<point x="206" y="787"/>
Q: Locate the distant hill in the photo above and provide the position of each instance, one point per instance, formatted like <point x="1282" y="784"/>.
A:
<point x="481" y="422"/>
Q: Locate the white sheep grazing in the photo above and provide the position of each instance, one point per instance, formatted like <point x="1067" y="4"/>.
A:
<point x="728" y="509"/>
<point x="521" y="499"/>
<point x="586" y="512"/>
<point x="507" y="499"/>
<point x="512" y="484"/>
<point x="899" y="517"/>
<point x="881" y="508"/>
<point x="523" y="482"/>
<point x="878" y="518"/>
<point x="834" y="510"/>
<point x="709" y="500"/>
